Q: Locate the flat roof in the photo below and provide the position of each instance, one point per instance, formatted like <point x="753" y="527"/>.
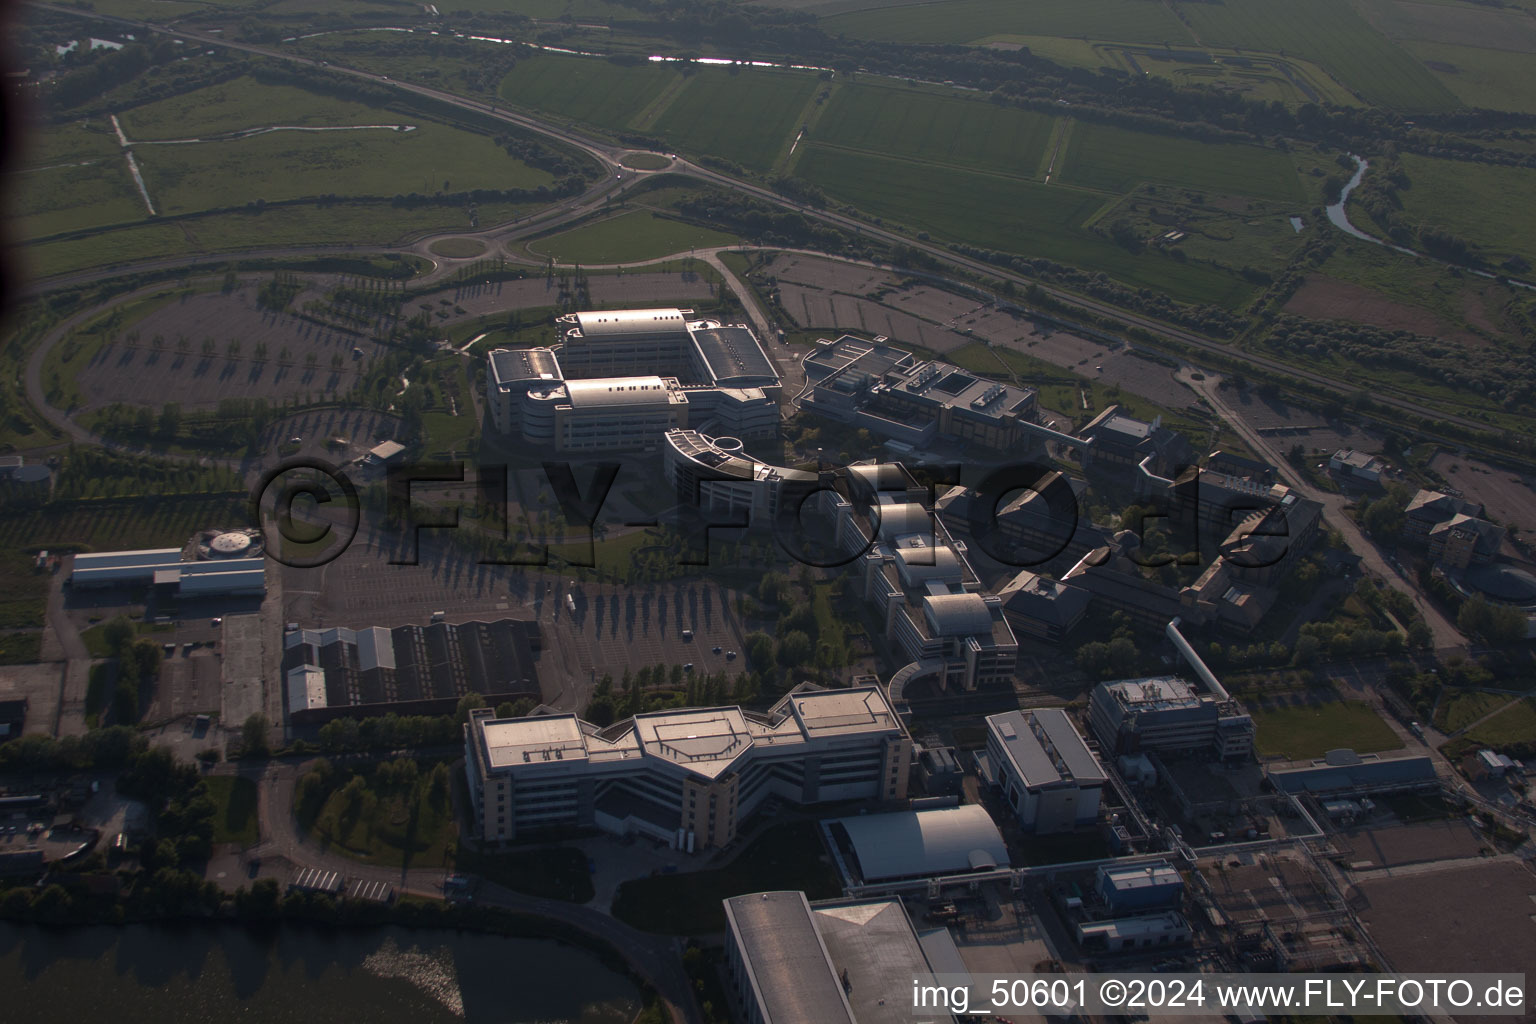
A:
<point x="919" y="844"/>
<point x="787" y="964"/>
<point x="536" y="740"/>
<point x="1045" y="748"/>
<point x="1152" y="692"/>
<point x="386" y="450"/>
<point x="127" y="559"/>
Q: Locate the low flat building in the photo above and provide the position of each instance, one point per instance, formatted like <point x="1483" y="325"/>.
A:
<point x="1344" y="771"/>
<point x="1046" y="772"/>
<point x="1123" y="934"/>
<point x="688" y="777"/>
<point x="165" y="567"/>
<point x="1357" y="465"/>
<point x="1138" y="888"/>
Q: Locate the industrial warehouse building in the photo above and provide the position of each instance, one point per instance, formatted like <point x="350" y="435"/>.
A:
<point x="687" y="777"/>
<point x="1045" y="771"/>
<point x="621" y="379"/>
<point x="917" y="844"/>
<point x="418" y="670"/>
<point x="838" y="962"/>
<point x="214" y="577"/>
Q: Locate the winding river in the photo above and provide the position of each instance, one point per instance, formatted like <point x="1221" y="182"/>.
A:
<point x="154" y="974"/>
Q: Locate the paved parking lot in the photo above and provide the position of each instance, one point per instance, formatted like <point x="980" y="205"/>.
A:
<point x="614" y="626"/>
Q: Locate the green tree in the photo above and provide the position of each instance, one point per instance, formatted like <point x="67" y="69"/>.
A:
<point x="253" y="735"/>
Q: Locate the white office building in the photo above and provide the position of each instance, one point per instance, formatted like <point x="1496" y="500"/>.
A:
<point x="621" y="379"/>
<point x="687" y="777"/>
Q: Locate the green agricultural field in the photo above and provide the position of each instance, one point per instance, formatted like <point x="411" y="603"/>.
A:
<point x="638" y="235"/>
<point x="597" y="92"/>
<point x="748" y="116"/>
<point x="1117" y="159"/>
<point x="1007" y="214"/>
<point x="921" y="125"/>
<point x="50" y="145"/>
<point x="1308" y="731"/>
<point x="1330" y="34"/>
<point x="292" y="165"/>
<point x="965" y="21"/>
<point x="1501" y="222"/>
<point x="374" y="223"/>
<point x="244" y="103"/>
<point x="62" y="199"/>
<point x="1495" y="79"/>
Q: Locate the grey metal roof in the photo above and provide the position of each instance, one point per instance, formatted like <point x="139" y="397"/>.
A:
<point x="787" y="965"/>
<point x="734" y="356"/>
<point x="917" y="844"/>
<point x="627" y="391"/>
<point x="631" y="321"/>
<point x="519" y="364"/>
<point x="959" y="614"/>
<point x="1045" y="748"/>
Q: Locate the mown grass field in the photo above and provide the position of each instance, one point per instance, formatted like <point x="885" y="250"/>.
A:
<point x="1311" y="731"/>
<point x="292" y="165"/>
<point x="637" y="235"/>
<point x="1008" y="214"/>
<point x="1495" y="79"/>
<point x="910" y="122"/>
<point x="1459" y="710"/>
<point x="964" y="21"/>
<point x="1116" y="160"/>
<point x="243" y="103"/>
<point x="1330" y="34"/>
<point x="300" y="225"/>
<point x="595" y="91"/>
<point x="746" y="117"/>
<point x="61" y="199"/>
<point x="45" y="146"/>
<point x="1502" y="221"/>
<point x="1512" y="725"/>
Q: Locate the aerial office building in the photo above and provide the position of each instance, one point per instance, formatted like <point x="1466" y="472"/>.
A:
<point x="687" y="777"/>
<point x="620" y="379"/>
